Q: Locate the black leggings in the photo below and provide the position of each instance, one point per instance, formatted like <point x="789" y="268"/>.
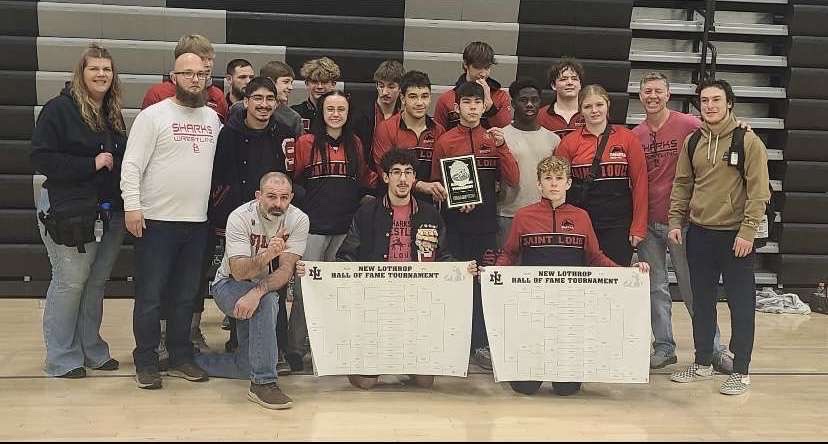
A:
<point x="615" y="243"/>
<point x="559" y="388"/>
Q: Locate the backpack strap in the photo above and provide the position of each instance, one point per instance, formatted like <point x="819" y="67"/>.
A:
<point x="691" y="145"/>
<point x="595" y="170"/>
<point x="737" y="145"/>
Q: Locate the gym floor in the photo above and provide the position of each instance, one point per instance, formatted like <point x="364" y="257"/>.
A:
<point x="786" y="401"/>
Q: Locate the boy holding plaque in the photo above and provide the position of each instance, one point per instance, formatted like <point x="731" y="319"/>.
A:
<point x="470" y="161"/>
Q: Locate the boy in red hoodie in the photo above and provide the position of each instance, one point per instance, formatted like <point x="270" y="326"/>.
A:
<point x="568" y="240"/>
<point x="472" y="229"/>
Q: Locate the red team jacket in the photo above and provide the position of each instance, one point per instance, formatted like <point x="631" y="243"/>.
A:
<point x="499" y="115"/>
<point x="619" y="197"/>
<point x="493" y="164"/>
<point x="549" y="119"/>
<point x="332" y="194"/>
<point x="542" y="235"/>
<point x="393" y="133"/>
<point x="166" y="89"/>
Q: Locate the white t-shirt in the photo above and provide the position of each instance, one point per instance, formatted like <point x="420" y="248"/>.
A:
<point x="528" y="148"/>
<point x="168" y="162"/>
<point x="248" y="233"/>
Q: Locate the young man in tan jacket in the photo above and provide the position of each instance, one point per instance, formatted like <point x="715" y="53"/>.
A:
<point x="723" y="198"/>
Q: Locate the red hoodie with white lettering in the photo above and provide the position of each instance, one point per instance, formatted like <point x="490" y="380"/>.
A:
<point x="544" y="235"/>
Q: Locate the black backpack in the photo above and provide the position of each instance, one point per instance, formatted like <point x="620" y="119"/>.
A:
<point x="737" y="146"/>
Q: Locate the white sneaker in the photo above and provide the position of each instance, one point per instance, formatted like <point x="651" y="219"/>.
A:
<point x="736" y="384"/>
<point x="693" y="373"/>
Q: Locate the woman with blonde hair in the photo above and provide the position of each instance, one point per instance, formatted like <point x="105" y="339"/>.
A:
<point x="609" y="176"/>
<point x="78" y="144"/>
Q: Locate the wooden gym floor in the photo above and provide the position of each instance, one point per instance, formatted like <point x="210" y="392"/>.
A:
<point x="787" y="401"/>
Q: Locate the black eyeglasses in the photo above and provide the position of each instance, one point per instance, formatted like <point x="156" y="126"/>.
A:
<point x="190" y="74"/>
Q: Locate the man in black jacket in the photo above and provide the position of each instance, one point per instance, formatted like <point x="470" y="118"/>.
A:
<point x="249" y="146"/>
<point x="395" y="228"/>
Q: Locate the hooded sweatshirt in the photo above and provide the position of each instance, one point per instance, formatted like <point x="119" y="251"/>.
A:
<point x="714" y="192"/>
<point x="499" y="115"/>
<point x="243" y="156"/>
<point x="64" y="150"/>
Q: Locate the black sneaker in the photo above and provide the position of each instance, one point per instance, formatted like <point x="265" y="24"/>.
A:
<point x="297" y="364"/>
<point x="109" y="366"/>
<point x="189" y="371"/>
<point x="75" y="373"/>
<point x="148" y="379"/>
<point x="269" y="396"/>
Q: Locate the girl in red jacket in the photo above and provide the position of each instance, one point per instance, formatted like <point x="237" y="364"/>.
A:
<point x="613" y="188"/>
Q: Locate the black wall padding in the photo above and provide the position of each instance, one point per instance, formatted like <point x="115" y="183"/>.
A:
<point x="800" y="207"/>
<point x="18" y="191"/>
<point x="806" y="145"/>
<point x="808" y="2"/>
<point x="807" y="114"/>
<point x="14" y="157"/>
<point x="356" y="66"/>
<point x="18" y="18"/>
<point x="32" y="260"/>
<point x="801" y="269"/>
<point x="804" y="239"/>
<point x="611" y="74"/>
<point x="18" y="88"/>
<point x="17" y="122"/>
<point x="19" y="227"/>
<point x="579" y="42"/>
<point x="19" y="53"/>
<point x="362" y="8"/>
<point x="37" y="289"/>
<point x="808" y="20"/>
<point x="810" y="177"/>
<point x="316" y="31"/>
<point x="24" y="260"/>
<point x="364" y="95"/>
<point x="600" y="13"/>
<point x="808" y="83"/>
<point x="808" y="52"/>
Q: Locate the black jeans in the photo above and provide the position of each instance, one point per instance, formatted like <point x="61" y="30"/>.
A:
<point x="480" y="247"/>
<point x="710" y="254"/>
<point x="615" y="243"/>
<point x="168" y="265"/>
<point x="559" y="388"/>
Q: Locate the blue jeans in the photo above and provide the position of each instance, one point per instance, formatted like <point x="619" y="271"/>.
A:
<point x="255" y="358"/>
<point x="74" y="302"/>
<point x="653" y="250"/>
<point x="320" y="247"/>
<point x="168" y="265"/>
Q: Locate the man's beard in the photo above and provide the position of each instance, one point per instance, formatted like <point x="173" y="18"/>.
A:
<point x="190" y="99"/>
<point x="236" y="92"/>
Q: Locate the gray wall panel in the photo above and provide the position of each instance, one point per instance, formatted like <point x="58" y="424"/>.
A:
<point x="136" y="57"/>
<point x="431" y="9"/>
<point x="129" y="22"/>
<point x="503" y="11"/>
<point x="453" y="36"/>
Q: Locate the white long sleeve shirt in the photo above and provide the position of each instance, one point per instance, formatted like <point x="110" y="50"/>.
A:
<point x="168" y="162"/>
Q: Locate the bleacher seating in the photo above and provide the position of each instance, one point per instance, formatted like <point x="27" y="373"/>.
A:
<point x="615" y="39"/>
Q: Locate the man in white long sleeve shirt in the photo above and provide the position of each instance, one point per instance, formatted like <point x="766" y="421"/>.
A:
<point x="165" y="183"/>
